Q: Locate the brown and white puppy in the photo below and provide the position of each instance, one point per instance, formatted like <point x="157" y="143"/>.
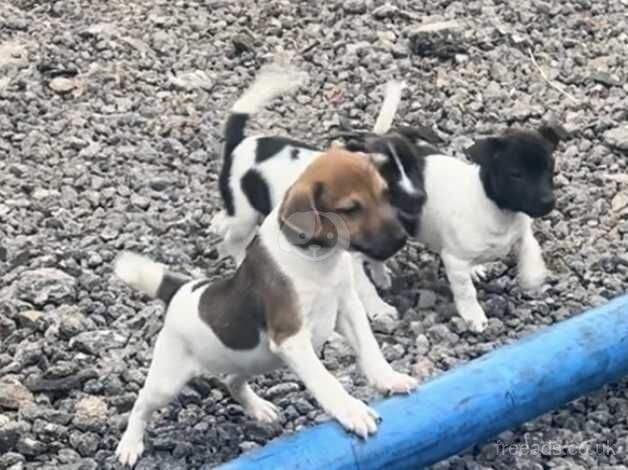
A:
<point x="293" y="288"/>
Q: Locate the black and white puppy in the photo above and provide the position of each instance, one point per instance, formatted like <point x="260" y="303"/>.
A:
<point x="477" y="213"/>
<point x="257" y="171"/>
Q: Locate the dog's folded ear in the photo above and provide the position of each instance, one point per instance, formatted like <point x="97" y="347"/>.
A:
<point x="299" y="217"/>
<point x="483" y="151"/>
<point x="553" y="133"/>
<point x="423" y="133"/>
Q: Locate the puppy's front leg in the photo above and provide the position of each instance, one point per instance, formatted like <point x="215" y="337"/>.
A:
<point x="353" y="324"/>
<point x="298" y="353"/>
<point x="531" y="267"/>
<point x="465" y="295"/>
<point x="373" y="303"/>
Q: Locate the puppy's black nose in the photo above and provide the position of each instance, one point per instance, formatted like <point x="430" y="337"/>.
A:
<point x="548" y="202"/>
<point x="398" y="242"/>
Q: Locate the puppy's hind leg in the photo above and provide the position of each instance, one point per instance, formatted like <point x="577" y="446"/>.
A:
<point x="169" y="371"/>
<point x="465" y="295"/>
<point x="242" y="229"/>
<point x="254" y="405"/>
<point x="380" y="274"/>
<point x="372" y="302"/>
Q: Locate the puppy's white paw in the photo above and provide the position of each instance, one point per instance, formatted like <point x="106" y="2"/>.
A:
<point x="130" y="449"/>
<point x="219" y="224"/>
<point x="380" y="309"/>
<point x="475" y="317"/>
<point x="381" y="275"/>
<point x="392" y="382"/>
<point x="479" y="273"/>
<point x="532" y="278"/>
<point x="356" y="417"/>
<point x="262" y="410"/>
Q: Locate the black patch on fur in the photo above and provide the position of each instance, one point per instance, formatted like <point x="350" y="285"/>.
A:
<point x="412" y="159"/>
<point x="233" y="135"/>
<point x="256" y="190"/>
<point x="170" y="285"/>
<point x="199" y="284"/>
<point x="294" y="154"/>
<point x="270" y="146"/>
<point x="517" y="169"/>
<point x="257" y="297"/>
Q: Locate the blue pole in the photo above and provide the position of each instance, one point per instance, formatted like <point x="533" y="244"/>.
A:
<point x="468" y="404"/>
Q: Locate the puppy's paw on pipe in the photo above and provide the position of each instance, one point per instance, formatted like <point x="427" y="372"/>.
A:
<point x="356" y="417"/>
<point x="393" y="382"/>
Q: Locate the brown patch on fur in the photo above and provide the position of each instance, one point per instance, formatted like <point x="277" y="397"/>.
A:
<point x="348" y="185"/>
<point x="258" y="297"/>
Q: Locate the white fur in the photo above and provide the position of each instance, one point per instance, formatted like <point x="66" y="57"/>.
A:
<point x="139" y="272"/>
<point x="392" y="98"/>
<point x="405" y="182"/>
<point x="186" y="346"/>
<point x="272" y="81"/>
<point x="467" y="229"/>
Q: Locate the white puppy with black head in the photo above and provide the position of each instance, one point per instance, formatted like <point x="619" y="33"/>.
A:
<point x="477" y="213"/>
<point x="293" y="288"/>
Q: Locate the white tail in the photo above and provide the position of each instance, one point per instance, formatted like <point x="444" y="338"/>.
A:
<point x="139" y="272"/>
<point x="272" y="81"/>
<point x="392" y="98"/>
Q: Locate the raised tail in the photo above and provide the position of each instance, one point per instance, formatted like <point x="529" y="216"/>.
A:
<point x="392" y="98"/>
<point x="272" y="81"/>
<point x="147" y="276"/>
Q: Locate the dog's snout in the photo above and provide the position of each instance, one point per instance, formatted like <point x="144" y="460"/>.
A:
<point x="548" y="202"/>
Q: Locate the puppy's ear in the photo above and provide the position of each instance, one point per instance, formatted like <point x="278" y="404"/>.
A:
<point x="553" y="133"/>
<point x="377" y="159"/>
<point x="483" y="151"/>
<point x="423" y="133"/>
<point x="299" y="218"/>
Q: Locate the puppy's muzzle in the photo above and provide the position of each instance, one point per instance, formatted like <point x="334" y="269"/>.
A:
<point x="388" y="241"/>
<point x="544" y="206"/>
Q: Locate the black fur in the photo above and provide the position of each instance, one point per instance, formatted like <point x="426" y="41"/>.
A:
<point x="256" y="190"/>
<point x="294" y="154"/>
<point x="270" y="146"/>
<point x="411" y="158"/>
<point x="233" y="134"/>
<point x="517" y="169"/>
<point x="170" y="284"/>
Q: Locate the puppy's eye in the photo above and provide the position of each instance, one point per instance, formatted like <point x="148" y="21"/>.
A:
<point x="351" y="209"/>
<point x="516" y="175"/>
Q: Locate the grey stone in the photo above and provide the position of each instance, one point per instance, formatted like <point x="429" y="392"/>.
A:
<point x="98" y="341"/>
<point x="46" y="285"/>
<point x="617" y="137"/>
<point x="13" y="394"/>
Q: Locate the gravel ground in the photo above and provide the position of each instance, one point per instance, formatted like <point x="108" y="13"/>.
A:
<point x="110" y="124"/>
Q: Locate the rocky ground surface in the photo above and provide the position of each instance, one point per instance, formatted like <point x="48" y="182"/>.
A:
<point x="110" y="123"/>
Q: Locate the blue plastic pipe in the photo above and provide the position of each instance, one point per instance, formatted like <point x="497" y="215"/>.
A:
<point x="468" y="404"/>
